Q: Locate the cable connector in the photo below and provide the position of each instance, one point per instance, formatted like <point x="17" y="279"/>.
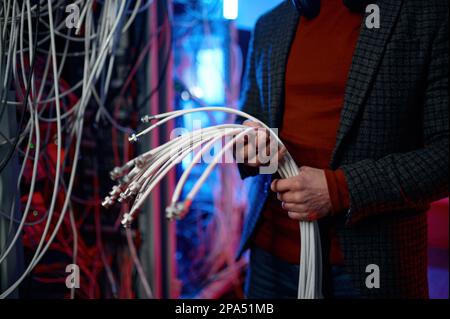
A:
<point x="139" y="162"/>
<point x="115" y="192"/>
<point x="108" y="202"/>
<point x="178" y="210"/>
<point x="116" y="173"/>
<point x="147" y="118"/>
<point x="125" y="179"/>
<point x="134" y="188"/>
<point x="124" y="196"/>
<point x="171" y="212"/>
<point x="133" y="138"/>
<point x="126" y="220"/>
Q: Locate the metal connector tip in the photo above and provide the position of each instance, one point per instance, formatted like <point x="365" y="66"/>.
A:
<point x="126" y="220"/>
<point x="147" y="118"/>
<point x="115" y="173"/>
<point x="179" y="210"/>
<point x="115" y="192"/>
<point x="107" y="202"/>
<point x="133" y="138"/>
<point x="171" y="212"/>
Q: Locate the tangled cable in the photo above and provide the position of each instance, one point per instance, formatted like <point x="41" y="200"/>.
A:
<point x="137" y="179"/>
<point x="22" y="48"/>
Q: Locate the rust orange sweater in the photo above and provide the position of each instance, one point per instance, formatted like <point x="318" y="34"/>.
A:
<point x="316" y="75"/>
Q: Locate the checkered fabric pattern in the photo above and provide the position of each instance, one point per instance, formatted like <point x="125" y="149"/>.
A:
<point x="392" y="143"/>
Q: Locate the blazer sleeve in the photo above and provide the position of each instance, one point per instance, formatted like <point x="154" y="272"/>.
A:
<point x="250" y="101"/>
<point x="413" y="179"/>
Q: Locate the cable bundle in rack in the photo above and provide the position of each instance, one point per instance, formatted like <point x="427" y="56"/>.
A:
<point x="137" y="179"/>
<point x="29" y="32"/>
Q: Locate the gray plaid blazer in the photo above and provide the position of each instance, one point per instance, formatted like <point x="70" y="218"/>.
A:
<point x="392" y="143"/>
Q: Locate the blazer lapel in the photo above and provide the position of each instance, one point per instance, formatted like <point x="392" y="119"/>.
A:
<point x="366" y="60"/>
<point x="280" y="46"/>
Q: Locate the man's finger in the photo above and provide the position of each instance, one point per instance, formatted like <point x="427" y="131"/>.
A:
<point x="250" y="157"/>
<point x="284" y="185"/>
<point x="281" y="153"/>
<point x="262" y="139"/>
<point x="294" y="207"/>
<point x="291" y="197"/>
<point x="303" y="217"/>
<point x="244" y="146"/>
<point x="251" y="123"/>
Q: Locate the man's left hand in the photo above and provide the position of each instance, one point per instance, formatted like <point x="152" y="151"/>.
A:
<point x="305" y="196"/>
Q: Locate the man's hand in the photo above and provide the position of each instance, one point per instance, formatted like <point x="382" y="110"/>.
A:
<point x="304" y="196"/>
<point x="258" y="140"/>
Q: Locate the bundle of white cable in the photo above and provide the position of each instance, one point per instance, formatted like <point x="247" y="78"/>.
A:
<point x="139" y="177"/>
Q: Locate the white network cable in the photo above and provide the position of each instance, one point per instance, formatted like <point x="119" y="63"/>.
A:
<point x="139" y="177"/>
<point x="99" y="40"/>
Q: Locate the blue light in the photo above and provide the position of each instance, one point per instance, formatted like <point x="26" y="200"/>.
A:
<point x="230" y="9"/>
<point x="210" y="74"/>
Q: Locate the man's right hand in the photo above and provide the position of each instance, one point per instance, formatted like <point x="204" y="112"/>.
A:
<point x="258" y="140"/>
